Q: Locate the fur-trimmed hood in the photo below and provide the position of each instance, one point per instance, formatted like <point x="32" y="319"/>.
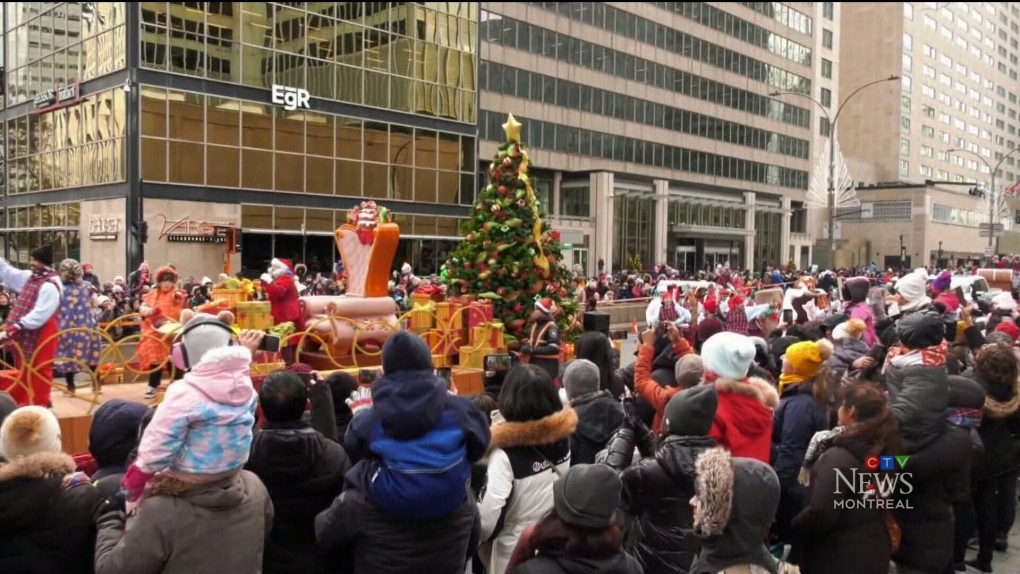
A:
<point x="738" y="499"/>
<point x="996" y="409"/>
<point x="548" y="430"/>
<point x="752" y="387"/>
<point x="39" y="465"/>
<point x="225" y="493"/>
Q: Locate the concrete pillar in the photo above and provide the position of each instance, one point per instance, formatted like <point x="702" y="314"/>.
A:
<point x="784" y="248"/>
<point x="661" y="221"/>
<point x="602" y="195"/>
<point x="554" y="207"/>
<point x="750" y="201"/>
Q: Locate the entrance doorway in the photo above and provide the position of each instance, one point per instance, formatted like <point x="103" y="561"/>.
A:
<point x="317" y="252"/>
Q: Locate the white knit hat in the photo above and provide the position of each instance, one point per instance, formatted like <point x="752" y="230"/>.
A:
<point x="911" y="286"/>
<point x="29" y="430"/>
<point x="728" y="355"/>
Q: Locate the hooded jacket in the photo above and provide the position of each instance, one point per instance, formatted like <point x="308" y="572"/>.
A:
<point x="743" y="421"/>
<point x="562" y="563"/>
<point x="656" y="496"/>
<point x="797" y="418"/>
<point x="283" y="297"/>
<point x="857" y="288"/>
<point x="738" y="498"/>
<point x="303" y="472"/>
<point x="182" y="529"/>
<point x="414" y="448"/>
<point x="46" y="516"/>
<point x="204" y="424"/>
<point x="598" y="417"/>
<point x="526" y="459"/>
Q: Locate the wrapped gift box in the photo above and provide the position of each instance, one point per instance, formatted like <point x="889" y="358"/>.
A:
<point x="232" y="296"/>
<point x="255" y="315"/>
<point x="449" y="317"/>
<point x="442" y="342"/>
<point x="473" y="357"/>
<point x="491" y="334"/>
<point x="423" y="313"/>
<point x="479" y="312"/>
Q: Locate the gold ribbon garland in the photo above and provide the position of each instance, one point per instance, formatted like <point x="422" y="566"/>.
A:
<point x="427" y="307"/>
<point x="512" y="129"/>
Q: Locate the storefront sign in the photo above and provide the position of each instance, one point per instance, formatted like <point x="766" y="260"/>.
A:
<point x="290" y="98"/>
<point x="57" y="97"/>
<point x="189" y="230"/>
<point x="104" y="228"/>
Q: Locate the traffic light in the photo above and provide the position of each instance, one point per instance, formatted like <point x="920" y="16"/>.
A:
<point x="140" y="231"/>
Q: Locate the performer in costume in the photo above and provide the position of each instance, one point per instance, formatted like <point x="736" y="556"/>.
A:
<point x="283" y="294"/>
<point x="32" y="325"/>
<point x="162" y="304"/>
<point x="543" y="345"/>
<point x="77" y="312"/>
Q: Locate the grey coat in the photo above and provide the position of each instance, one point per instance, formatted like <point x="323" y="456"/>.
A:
<point x="919" y="397"/>
<point x="182" y="529"/>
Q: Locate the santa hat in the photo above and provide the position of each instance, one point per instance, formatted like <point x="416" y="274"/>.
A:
<point x="546" y="305"/>
<point x="282" y="264"/>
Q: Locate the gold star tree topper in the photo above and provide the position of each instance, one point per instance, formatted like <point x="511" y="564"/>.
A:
<point x="512" y="129"/>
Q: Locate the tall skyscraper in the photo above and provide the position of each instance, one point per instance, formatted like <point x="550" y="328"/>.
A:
<point x="656" y="127"/>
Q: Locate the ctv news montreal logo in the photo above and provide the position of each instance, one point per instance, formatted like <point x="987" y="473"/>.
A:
<point x="882" y="484"/>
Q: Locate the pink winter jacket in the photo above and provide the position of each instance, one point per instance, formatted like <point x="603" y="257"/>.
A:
<point x="204" y="424"/>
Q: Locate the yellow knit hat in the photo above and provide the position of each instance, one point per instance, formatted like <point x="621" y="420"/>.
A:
<point x="807" y="357"/>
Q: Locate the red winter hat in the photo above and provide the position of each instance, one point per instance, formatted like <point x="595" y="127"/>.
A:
<point x="546" y="305"/>
<point x="1010" y="328"/>
<point x="282" y="263"/>
<point x="711" y="305"/>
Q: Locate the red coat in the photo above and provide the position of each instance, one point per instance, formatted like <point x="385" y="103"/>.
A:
<point x="283" y="295"/>
<point x="743" y="421"/>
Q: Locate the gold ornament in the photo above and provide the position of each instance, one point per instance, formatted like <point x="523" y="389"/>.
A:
<point x="512" y="129"/>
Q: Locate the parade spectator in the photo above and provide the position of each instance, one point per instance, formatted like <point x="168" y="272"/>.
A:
<point x="599" y="415"/>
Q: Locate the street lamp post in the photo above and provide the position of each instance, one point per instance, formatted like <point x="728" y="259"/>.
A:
<point x="991" y="190"/>
<point x="832" y="152"/>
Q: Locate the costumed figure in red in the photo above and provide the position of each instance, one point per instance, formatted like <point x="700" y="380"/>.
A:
<point x="32" y="325"/>
<point x="282" y="293"/>
<point x="159" y="306"/>
<point x="542" y="348"/>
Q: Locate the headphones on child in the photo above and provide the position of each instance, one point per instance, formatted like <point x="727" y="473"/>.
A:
<point x="179" y="352"/>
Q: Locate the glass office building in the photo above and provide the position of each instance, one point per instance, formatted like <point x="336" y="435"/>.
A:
<point x="275" y="118"/>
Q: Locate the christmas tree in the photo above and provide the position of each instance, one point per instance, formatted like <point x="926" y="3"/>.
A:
<point x="508" y="255"/>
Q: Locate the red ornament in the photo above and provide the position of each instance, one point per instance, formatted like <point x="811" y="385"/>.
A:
<point x="555" y="235"/>
<point x="563" y="293"/>
<point x="502" y="190"/>
<point x="517" y="308"/>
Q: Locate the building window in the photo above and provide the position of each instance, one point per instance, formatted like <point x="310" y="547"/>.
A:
<point x="908" y="43"/>
<point x="634" y="224"/>
<point x="827" y="38"/>
<point x="904" y="147"/>
<point x="826" y="68"/>
<point x="904" y="168"/>
<point x="823" y="126"/>
<point x="575" y="202"/>
<point x="828" y="9"/>
<point x="881" y="211"/>
<point x="905" y="104"/>
<point x="826" y="97"/>
<point x="905" y="125"/>
<point x="908" y="63"/>
<point x="908" y="10"/>
<point x="798" y="217"/>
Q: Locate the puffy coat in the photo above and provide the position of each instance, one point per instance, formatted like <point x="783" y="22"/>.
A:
<point x="845" y="352"/>
<point x="833" y="536"/>
<point x="560" y="563"/>
<point x="656" y="496"/>
<point x="999" y="431"/>
<point x="46" y="524"/>
<point x="797" y="418"/>
<point x="303" y="472"/>
<point x="378" y="543"/>
<point x="743" y="421"/>
<point x="184" y="529"/>
<point x="598" y="417"/>
<point x="527" y="458"/>
<point x="919" y="396"/>
<point x="926" y="519"/>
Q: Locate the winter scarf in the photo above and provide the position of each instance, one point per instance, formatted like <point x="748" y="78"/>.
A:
<point x="819" y="442"/>
<point x="787" y="379"/>
<point x="900" y="356"/>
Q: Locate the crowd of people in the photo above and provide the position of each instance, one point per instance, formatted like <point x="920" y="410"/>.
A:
<point x="856" y="424"/>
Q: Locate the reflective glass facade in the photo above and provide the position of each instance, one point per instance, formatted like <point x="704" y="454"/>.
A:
<point x="27" y="228"/>
<point x="393" y="112"/>
<point x="58" y="43"/>
<point x="634" y="222"/>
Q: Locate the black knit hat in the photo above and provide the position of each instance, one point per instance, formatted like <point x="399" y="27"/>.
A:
<point x="691" y="412"/>
<point x="406" y="352"/>
<point x="588" y="496"/>
<point x="921" y="330"/>
<point x="44" y="254"/>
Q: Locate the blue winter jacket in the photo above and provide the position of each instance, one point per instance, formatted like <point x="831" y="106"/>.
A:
<point x="797" y="418"/>
<point x="414" y="448"/>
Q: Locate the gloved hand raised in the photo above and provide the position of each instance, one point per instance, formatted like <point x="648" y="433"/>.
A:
<point x="360" y="400"/>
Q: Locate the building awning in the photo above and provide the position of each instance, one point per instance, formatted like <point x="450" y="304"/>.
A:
<point x="700" y="231"/>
